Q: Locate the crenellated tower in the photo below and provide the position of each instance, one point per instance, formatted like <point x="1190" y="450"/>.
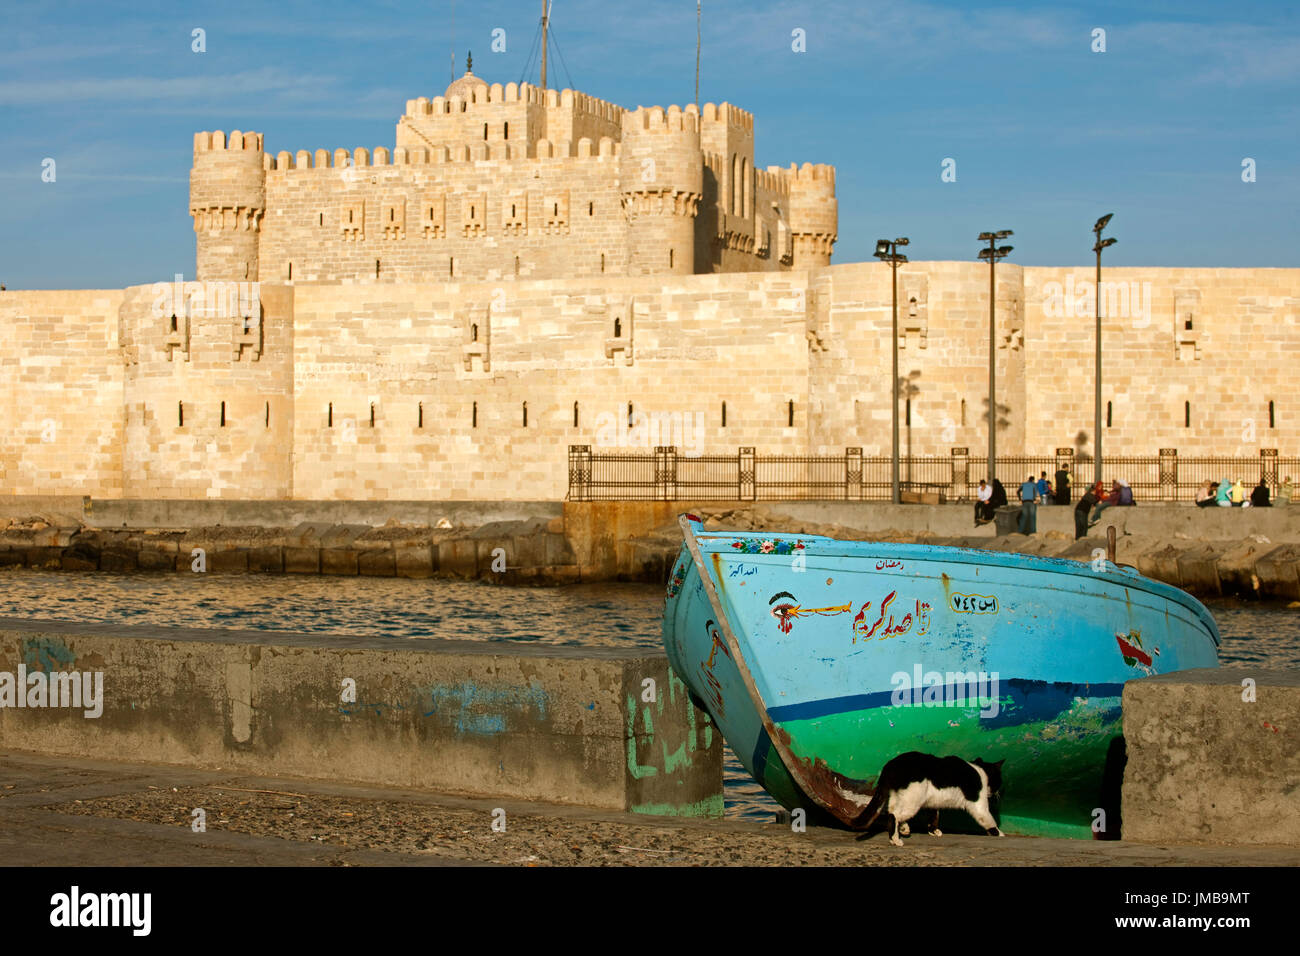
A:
<point x="227" y="202"/>
<point x="495" y="183"/>
<point x="814" y="214"/>
<point x="661" y="184"/>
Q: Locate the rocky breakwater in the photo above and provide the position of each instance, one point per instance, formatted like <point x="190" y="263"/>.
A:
<point x="1252" y="567"/>
<point x="531" y="551"/>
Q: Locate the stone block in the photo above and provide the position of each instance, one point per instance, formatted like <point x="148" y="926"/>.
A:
<point x="526" y="551"/>
<point x="150" y="559"/>
<point x="1277" y="573"/>
<point x="1198" y="570"/>
<point x="342" y="535"/>
<point x="266" y="560"/>
<point x="558" y="551"/>
<point x="338" y="561"/>
<point x="302" y="561"/>
<point x="42" y="557"/>
<point x="113" y="559"/>
<point x="226" y="561"/>
<point x="382" y="564"/>
<point x="458" y="557"/>
<point x="414" y="561"/>
<point x="308" y="534"/>
<point x="1236" y="567"/>
<point x="1161" y="564"/>
<point x="1210" y="761"/>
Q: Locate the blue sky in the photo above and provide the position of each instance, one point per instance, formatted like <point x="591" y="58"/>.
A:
<point x="1046" y="134"/>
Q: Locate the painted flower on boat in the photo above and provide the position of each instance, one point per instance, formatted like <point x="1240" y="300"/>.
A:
<point x="768" y="546"/>
<point x="678" y="579"/>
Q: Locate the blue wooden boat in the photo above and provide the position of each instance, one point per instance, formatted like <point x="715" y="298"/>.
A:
<point x="821" y="659"/>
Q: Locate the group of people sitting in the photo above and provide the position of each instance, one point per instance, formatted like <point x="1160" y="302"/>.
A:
<point x="1228" y="494"/>
<point x="1096" y="500"/>
<point x="1224" y="494"/>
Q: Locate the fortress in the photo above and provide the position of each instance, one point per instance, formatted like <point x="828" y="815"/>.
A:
<point x="515" y="182"/>
<point x="528" y="268"/>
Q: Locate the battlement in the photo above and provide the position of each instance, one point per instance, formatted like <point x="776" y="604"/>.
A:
<point x="775" y="179"/>
<point x="656" y="119"/>
<point x="212" y="141"/>
<point x="515" y="93"/>
<point x="361" y="157"/>
<point x="813" y="172"/>
<point x="494" y="94"/>
<point x="729" y="114"/>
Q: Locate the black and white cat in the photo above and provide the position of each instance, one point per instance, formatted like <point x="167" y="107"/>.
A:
<point x="913" y="782"/>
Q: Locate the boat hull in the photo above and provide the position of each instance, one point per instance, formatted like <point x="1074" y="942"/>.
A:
<point x="822" y="659"/>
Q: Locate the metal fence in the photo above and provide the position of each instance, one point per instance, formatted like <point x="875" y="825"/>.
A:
<point x="664" y="474"/>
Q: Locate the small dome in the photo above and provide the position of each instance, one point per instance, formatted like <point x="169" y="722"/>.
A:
<point x="467" y="86"/>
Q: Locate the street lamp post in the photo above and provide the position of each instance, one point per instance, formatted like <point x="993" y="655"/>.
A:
<point x="993" y="253"/>
<point x="1097" y="247"/>
<point x="887" y="251"/>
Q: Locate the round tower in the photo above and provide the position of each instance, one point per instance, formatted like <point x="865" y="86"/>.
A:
<point x="662" y="177"/>
<point x="814" y="214"/>
<point x="227" y="201"/>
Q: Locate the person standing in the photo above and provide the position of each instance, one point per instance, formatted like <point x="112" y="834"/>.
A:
<point x="1028" y="506"/>
<point x="1284" y="492"/>
<point x="1082" y="510"/>
<point x="1045" y="491"/>
<point x="1063" y="484"/>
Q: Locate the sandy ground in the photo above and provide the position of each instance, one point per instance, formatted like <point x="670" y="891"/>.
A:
<point x="69" y="811"/>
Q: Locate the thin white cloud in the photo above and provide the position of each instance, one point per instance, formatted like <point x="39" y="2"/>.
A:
<point x="124" y="90"/>
<point x="1218" y="54"/>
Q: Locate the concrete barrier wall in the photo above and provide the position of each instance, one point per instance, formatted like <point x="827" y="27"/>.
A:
<point x="618" y="520"/>
<point x="564" y="725"/>
<point x="166" y="513"/>
<point x="602" y="533"/>
<point x="1213" y="757"/>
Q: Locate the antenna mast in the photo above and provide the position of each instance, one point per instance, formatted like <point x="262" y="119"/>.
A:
<point x="453" y="41"/>
<point x="697" y="53"/>
<point x="545" y="19"/>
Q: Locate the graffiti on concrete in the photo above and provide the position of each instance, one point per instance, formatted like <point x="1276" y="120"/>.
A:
<point x="656" y="752"/>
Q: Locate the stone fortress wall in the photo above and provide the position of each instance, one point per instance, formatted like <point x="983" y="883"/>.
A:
<point x="95" y="400"/>
<point x="462" y="309"/>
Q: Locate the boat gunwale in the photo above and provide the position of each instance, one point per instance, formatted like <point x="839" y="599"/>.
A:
<point x="1004" y="559"/>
